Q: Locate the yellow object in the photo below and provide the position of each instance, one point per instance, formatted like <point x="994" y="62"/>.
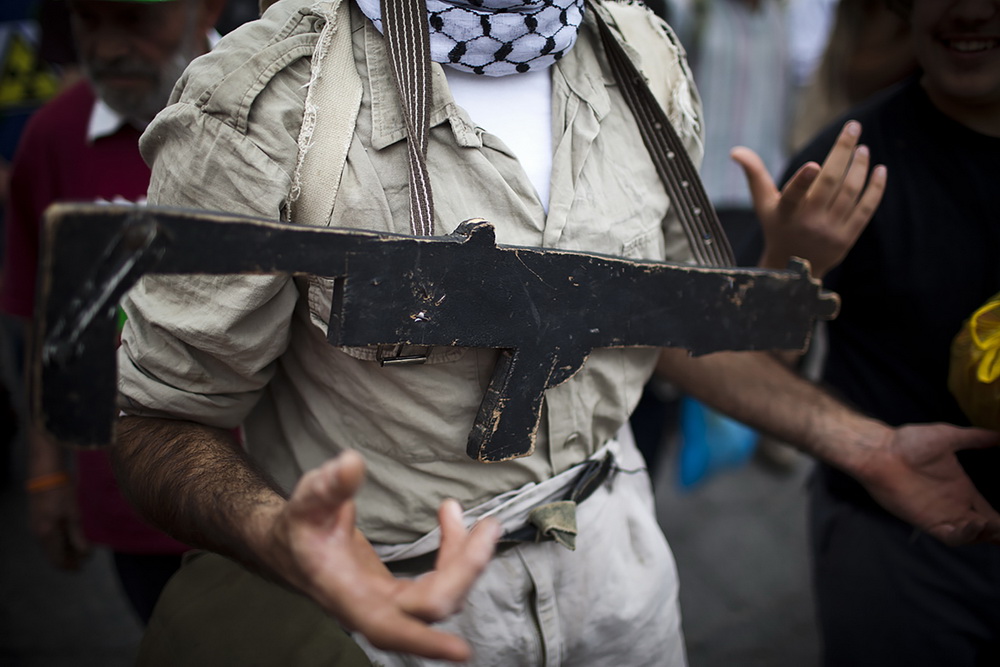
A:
<point x="974" y="375"/>
<point x="24" y="78"/>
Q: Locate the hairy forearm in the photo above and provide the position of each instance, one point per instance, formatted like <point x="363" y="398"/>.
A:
<point x="756" y="389"/>
<point x="196" y="483"/>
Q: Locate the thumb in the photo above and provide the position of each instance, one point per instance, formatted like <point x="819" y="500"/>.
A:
<point x="974" y="438"/>
<point x="759" y="181"/>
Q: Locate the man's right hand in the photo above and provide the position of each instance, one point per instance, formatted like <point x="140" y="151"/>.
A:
<point x="196" y="483"/>
<point x="316" y="546"/>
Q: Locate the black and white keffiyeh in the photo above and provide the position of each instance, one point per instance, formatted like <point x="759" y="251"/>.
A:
<point x="496" y="37"/>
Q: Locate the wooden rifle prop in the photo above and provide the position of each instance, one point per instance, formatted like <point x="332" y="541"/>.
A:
<point x="544" y="309"/>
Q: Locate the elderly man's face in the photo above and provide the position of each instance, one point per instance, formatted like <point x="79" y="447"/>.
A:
<point x="133" y="52"/>
<point x="958" y="45"/>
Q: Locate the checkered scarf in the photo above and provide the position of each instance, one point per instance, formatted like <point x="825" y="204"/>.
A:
<point x="496" y="37"/>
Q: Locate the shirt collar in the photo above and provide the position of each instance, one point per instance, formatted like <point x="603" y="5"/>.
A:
<point x="105" y="121"/>
<point x="388" y="123"/>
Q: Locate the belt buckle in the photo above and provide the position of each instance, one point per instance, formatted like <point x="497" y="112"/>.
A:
<point x="392" y="355"/>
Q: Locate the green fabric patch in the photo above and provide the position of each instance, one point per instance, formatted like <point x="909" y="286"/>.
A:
<point x="557" y="521"/>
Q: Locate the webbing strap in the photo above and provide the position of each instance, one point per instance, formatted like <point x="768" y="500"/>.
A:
<point x="680" y="177"/>
<point x="409" y="46"/>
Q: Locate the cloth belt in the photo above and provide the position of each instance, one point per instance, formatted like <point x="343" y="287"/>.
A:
<point x="551" y="517"/>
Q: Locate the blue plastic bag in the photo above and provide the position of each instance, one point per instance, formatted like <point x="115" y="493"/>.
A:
<point x="710" y="442"/>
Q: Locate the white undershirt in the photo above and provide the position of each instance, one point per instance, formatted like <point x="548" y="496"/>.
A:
<point x="517" y="109"/>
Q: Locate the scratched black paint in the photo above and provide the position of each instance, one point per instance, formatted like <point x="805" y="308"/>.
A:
<point x="545" y="309"/>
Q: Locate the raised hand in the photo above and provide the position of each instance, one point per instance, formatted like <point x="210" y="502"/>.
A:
<point x="917" y="476"/>
<point x="319" y="550"/>
<point x="821" y="211"/>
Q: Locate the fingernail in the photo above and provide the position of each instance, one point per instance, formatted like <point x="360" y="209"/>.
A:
<point x="861" y="150"/>
<point x="853" y="128"/>
<point x="881" y="171"/>
<point x="453" y="508"/>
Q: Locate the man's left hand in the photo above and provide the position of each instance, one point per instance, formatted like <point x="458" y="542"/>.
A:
<point x="917" y="476"/>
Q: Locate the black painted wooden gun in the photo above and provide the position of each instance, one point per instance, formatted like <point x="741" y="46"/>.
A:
<point x="545" y="309"/>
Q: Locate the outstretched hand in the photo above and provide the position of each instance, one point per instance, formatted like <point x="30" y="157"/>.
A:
<point x="321" y="552"/>
<point x="917" y="477"/>
<point x="821" y="211"/>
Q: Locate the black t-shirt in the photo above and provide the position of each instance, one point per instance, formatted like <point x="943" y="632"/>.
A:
<point x="928" y="259"/>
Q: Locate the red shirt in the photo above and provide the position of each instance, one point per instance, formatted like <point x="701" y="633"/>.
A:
<point x="55" y="162"/>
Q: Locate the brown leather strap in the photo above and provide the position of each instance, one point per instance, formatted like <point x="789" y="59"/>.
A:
<point x="680" y="177"/>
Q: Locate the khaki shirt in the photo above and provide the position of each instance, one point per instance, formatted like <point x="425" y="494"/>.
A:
<point x="252" y="350"/>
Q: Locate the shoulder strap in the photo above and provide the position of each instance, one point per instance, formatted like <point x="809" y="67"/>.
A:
<point x="408" y="44"/>
<point x="680" y="177"/>
<point x="334" y="87"/>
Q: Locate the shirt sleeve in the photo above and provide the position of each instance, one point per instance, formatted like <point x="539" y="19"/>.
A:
<point x="202" y="347"/>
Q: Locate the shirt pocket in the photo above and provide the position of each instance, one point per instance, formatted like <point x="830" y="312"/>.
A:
<point x="319" y="296"/>
<point x="647" y="244"/>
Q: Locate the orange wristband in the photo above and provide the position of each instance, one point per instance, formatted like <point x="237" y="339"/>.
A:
<point x="46" y="482"/>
